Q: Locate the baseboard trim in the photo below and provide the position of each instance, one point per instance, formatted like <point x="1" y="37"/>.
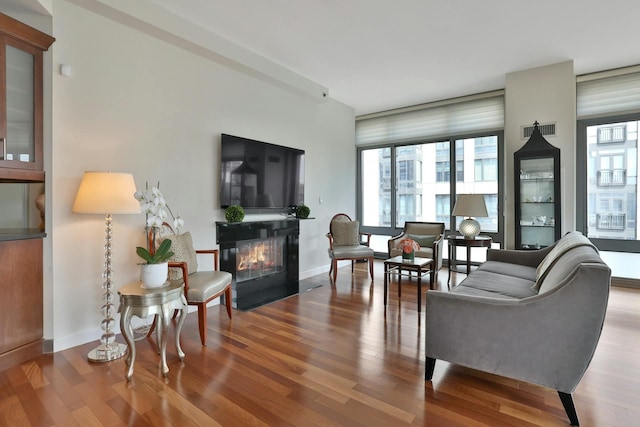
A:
<point x="20" y="355"/>
<point x="625" y="282"/>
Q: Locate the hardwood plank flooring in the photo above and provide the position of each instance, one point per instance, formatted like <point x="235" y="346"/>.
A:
<point x="331" y="356"/>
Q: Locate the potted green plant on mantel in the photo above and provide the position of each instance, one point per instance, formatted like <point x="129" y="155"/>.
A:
<point x="302" y="211"/>
<point x="234" y="213"/>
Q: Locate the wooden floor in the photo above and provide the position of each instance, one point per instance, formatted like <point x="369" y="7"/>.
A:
<point x="327" y="357"/>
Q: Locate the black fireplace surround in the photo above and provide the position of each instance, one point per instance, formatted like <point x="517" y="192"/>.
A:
<point x="270" y="284"/>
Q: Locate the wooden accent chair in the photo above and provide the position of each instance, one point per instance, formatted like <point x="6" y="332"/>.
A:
<point x="200" y="287"/>
<point x="345" y="243"/>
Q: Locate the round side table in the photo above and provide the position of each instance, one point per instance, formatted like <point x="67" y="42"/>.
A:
<point x="138" y="301"/>
<point x="455" y="241"/>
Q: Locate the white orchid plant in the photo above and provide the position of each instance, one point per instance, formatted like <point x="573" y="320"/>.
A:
<point x="156" y="210"/>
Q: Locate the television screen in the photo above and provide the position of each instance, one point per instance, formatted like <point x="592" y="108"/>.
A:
<point x="260" y="175"/>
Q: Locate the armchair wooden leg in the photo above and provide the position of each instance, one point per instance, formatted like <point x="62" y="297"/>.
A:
<point x="227" y="300"/>
<point x="569" y="407"/>
<point x="371" y="267"/>
<point x="202" y="323"/>
<point x="429" y="366"/>
<point x="334" y="267"/>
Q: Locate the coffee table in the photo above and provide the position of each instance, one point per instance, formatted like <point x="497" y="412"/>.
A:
<point x="420" y="266"/>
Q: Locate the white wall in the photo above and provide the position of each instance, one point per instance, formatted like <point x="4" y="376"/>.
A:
<point x="138" y="104"/>
<point x="548" y="95"/>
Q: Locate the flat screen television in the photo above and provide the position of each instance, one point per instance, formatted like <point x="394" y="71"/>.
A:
<point x="260" y="176"/>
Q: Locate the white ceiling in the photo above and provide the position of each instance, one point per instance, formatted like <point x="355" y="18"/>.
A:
<point x="376" y="55"/>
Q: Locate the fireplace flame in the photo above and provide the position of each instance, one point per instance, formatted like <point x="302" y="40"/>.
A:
<point x="256" y="256"/>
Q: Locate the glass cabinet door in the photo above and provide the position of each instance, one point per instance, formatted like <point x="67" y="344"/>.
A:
<point x="537" y="202"/>
<point x="21" y="106"/>
<point x="19" y="144"/>
<point x="537" y="178"/>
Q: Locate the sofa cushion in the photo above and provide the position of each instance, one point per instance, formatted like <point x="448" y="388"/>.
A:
<point x="508" y="269"/>
<point x="425" y="241"/>
<point x="345" y="233"/>
<point x="495" y="285"/>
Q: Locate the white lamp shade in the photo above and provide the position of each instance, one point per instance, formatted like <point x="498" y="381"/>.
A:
<point x="470" y="205"/>
<point x="106" y="193"/>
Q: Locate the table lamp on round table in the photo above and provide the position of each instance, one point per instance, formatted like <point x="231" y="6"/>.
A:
<point x="470" y="205"/>
<point x="107" y="193"/>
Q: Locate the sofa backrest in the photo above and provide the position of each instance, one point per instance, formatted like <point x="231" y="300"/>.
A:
<point x="565" y="264"/>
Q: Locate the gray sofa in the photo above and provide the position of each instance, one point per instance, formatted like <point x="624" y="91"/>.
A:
<point x="534" y="316"/>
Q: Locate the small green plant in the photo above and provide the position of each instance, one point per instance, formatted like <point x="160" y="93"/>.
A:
<point x="234" y="213"/>
<point x="302" y="211"/>
<point x="162" y="254"/>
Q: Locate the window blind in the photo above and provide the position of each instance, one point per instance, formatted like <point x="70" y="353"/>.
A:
<point x="607" y="93"/>
<point x="463" y="115"/>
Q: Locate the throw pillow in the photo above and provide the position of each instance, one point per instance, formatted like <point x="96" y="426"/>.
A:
<point x="345" y="233"/>
<point x="425" y="241"/>
<point x="182" y="247"/>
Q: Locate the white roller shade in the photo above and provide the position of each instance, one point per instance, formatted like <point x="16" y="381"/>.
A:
<point x="617" y="94"/>
<point x="432" y="120"/>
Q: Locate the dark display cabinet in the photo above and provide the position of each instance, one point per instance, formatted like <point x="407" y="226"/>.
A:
<point x="537" y="188"/>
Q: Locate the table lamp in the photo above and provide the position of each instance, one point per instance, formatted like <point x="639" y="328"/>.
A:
<point x="470" y="205"/>
<point x="107" y="193"/>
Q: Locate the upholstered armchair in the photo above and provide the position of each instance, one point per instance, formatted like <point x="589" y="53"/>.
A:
<point x="345" y="243"/>
<point x="200" y="286"/>
<point x="430" y="237"/>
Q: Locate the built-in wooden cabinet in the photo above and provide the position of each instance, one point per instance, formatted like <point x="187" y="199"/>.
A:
<point x="22" y="179"/>
<point x="537" y="178"/>
<point x="21" y="51"/>
<point x="21" y="301"/>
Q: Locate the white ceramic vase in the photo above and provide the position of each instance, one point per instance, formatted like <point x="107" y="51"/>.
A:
<point x="154" y="275"/>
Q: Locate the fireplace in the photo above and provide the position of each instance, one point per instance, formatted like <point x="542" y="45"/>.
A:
<point x="262" y="256"/>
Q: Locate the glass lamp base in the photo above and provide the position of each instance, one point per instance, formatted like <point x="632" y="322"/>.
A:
<point x="469" y="228"/>
<point x="104" y="353"/>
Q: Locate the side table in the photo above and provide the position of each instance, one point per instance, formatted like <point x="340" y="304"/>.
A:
<point x="419" y="265"/>
<point x="138" y="301"/>
<point x="455" y="241"/>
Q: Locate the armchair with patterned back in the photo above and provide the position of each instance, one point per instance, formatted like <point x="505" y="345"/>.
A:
<point x="200" y="287"/>
<point x="345" y="243"/>
<point x="430" y="237"/>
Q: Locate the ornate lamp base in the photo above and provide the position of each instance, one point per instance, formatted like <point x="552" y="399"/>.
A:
<point x="107" y="353"/>
<point x="469" y="228"/>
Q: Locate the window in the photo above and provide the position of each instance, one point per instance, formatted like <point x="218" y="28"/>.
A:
<point x="611" y="134"/>
<point x="608" y="153"/>
<point x="443" y="174"/>
<point x="422" y="187"/>
<point x="408" y="172"/>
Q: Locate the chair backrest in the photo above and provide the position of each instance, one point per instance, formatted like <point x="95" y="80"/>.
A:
<point x="424" y="228"/>
<point x="341" y="217"/>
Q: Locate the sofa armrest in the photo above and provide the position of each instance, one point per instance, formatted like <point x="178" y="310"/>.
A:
<point x="515" y="256"/>
<point x="547" y="339"/>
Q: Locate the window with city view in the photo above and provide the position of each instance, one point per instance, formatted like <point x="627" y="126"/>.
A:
<point x="612" y="174"/>
<point x="413" y="182"/>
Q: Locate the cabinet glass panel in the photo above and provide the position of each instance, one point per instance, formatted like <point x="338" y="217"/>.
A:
<point x="20" y="141"/>
<point x="537" y="202"/>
